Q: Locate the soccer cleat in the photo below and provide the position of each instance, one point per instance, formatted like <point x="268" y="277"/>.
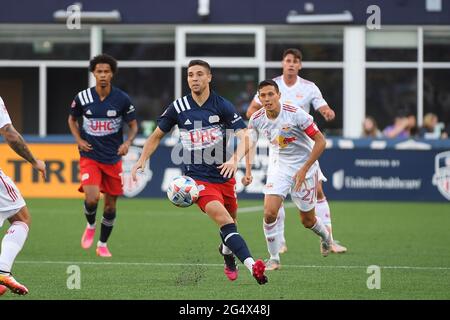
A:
<point x="325" y="246"/>
<point x="273" y="264"/>
<point x="3" y="290"/>
<point x="258" y="269"/>
<point x="283" y="248"/>
<point x="88" y="238"/>
<point x="103" y="252"/>
<point x="230" y="268"/>
<point x="8" y="281"/>
<point x="337" y="248"/>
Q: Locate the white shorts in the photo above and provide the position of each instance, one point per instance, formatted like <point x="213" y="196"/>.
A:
<point x="322" y="176"/>
<point x="11" y="201"/>
<point x="305" y="199"/>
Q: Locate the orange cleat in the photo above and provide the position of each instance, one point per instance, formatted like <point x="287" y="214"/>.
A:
<point x="3" y="290"/>
<point x="8" y="281"/>
<point x="103" y="252"/>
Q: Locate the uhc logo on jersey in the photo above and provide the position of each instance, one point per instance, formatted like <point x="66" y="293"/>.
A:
<point x="101" y="127"/>
<point x="201" y="138"/>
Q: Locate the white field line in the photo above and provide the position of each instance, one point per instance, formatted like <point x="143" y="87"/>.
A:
<point x="160" y="264"/>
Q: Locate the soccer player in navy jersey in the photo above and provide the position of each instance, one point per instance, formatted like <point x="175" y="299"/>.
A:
<point x="104" y="110"/>
<point x="205" y="120"/>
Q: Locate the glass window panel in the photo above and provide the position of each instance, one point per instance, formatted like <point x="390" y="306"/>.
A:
<point x="238" y="85"/>
<point x="437" y="93"/>
<point x="44" y="43"/>
<point x="151" y="90"/>
<point x="316" y="44"/>
<point x="125" y="43"/>
<point x="389" y="92"/>
<point x="220" y="45"/>
<point x="437" y="46"/>
<point x="391" y="45"/>
<point x="60" y="95"/>
<point x="19" y="88"/>
<point x="329" y="81"/>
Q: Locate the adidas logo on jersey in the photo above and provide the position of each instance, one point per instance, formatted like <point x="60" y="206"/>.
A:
<point x="187" y="122"/>
<point x="235" y="115"/>
<point x="89" y="112"/>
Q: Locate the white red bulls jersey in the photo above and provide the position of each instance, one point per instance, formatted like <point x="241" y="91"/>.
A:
<point x="4" y="116"/>
<point x="289" y="136"/>
<point x="203" y="133"/>
<point x="103" y="122"/>
<point x="303" y="94"/>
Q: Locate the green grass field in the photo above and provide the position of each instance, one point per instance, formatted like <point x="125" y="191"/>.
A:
<point x="163" y="252"/>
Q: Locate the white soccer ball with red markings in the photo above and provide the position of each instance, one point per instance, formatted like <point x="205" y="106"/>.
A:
<point x="182" y="191"/>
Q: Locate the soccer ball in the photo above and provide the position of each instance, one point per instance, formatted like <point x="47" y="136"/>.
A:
<point x="182" y="191"/>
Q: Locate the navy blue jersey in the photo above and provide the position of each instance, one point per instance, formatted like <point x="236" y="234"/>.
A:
<point x="203" y="134"/>
<point x="103" y="122"/>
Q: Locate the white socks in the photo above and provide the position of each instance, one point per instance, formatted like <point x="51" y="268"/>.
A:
<point x="12" y="243"/>
<point x="249" y="262"/>
<point x="101" y="244"/>
<point x="281" y="216"/>
<point x="273" y="239"/>
<point x="226" y="250"/>
<point x="323" y="211"/>
<point x="320" y="229"/>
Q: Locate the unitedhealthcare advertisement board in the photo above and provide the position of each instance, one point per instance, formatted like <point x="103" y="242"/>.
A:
<point x="356" y="170"/>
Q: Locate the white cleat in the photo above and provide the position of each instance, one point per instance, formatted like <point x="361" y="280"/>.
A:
<point x="283" y="248"/>
<point x="337" y="248"/>
<point x="325" y="246"/>
<point x="273" y="264"/>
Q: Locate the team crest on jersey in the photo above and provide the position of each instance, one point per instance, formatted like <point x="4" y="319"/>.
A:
<point x="111" y="113"/>
<point x="283" y="141"/>
<point x="214" y="119"/>
<point x="130" y="187"/>
<point x="441" y="177"/>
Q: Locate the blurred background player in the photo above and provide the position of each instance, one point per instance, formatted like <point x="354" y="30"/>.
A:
<point x="203" y="117"/>
<point x="293" y="166"/>
<point x="13" y="207"/>
<point x="104" y="110"/>
<point x="301" y="93"/>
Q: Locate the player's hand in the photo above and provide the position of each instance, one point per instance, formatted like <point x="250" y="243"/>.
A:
<point x="246" y="180"/>
<point x="40" y="165"/>
<point x="228" y="169"/>
<point x="123" y="149"/>
<point x="299" y="179"/>
<point x="328" y="114"/>
<point x="84" y="145"/>
<point x="138" y="167"/>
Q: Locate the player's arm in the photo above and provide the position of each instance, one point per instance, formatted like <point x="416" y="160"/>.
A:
<point x="248" y="178"/>
<point x="252" y="108"/>
<point x="228" y="169"/>
<point x="250" y="155"/>
<point x="319" y="104"/>
<point x="326" y="112"/>
<point x="75" y="130"/>
<point x="132" y="132"/>
<point x="150" y="145"/>
<point x="18" y="144"/>
<point x="319" y="147"/>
